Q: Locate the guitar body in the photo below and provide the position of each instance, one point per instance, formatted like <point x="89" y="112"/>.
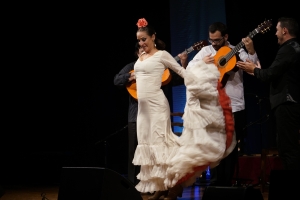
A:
<point x="166" y="77"/>
<point x="131" y="87"/>
<point x="226" y="66"/>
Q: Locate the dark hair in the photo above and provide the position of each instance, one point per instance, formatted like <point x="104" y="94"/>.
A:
<point x="136" y="49"/>
<point x="160" y="45"/>
<point x="290" y="24"/>
<point x="218" y="26"/>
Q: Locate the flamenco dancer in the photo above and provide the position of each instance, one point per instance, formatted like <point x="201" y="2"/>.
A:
<point x="169" y="163"/>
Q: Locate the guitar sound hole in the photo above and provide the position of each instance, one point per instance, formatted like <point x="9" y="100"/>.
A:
<point x="222" y="62"/>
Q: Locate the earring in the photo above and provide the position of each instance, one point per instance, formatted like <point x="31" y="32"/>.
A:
<point x="154" y="43"/>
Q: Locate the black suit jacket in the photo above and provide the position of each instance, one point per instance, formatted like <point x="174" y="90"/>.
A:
<point x="283" y="74"/>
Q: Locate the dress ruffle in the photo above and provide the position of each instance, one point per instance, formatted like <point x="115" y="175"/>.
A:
<point x="153" y="158"/>
<point x="203" y="140"/>
<point x="153" y="154"/>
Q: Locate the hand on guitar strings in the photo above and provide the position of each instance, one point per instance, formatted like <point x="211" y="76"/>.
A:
<point x="249" y="45"/>
<point x="209" y="59"/>
<point x="248" y="66"/>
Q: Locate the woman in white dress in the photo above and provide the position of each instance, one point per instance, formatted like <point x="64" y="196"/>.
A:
<point x="169" y="163"/>
<point x="156" y="141"/>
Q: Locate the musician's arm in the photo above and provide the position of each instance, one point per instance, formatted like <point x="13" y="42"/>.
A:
<point x="251" y="55"/>
<point x="249" y="45"/>
<point x="244" y="56"/>
<point x="123" y="77"/>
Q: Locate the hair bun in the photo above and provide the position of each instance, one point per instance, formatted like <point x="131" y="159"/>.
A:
<point x="142" y="23"/>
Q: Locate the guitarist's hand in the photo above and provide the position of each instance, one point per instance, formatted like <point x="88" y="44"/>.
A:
<point x="183" y="59"/>
<point x="209" y="59"/>
<point x="132" y="76"/>
<point x="249" y="45"/>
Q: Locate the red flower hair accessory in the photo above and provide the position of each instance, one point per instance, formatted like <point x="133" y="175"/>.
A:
<point x="142" y="23"/>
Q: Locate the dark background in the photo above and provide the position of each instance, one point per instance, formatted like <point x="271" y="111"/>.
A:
<point x="60" y="102"/>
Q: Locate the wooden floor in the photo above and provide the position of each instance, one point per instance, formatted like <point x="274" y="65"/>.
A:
<point x="194" y="192"/>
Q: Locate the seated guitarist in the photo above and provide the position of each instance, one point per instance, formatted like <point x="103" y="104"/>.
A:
<point x="218" y="37"/>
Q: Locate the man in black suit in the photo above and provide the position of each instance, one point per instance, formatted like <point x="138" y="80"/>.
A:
<point x="283" y="75"/>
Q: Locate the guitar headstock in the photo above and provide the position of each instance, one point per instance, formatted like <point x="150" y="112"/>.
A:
<point x="265" y="26"/>
<point x="198" y="45"/>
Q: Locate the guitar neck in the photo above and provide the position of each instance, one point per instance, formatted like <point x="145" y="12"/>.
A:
<point x="187" y="51"/>
<point x="240" y="45"/>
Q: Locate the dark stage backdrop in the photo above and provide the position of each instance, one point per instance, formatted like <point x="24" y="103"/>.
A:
<point x="189" y="25"/>
<point x="60" y="101"/>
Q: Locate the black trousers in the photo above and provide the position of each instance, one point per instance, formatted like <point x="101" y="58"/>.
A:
<point x="132" y="144"/>
<point x="223" y="174"/>
<point x="287" y="118"/>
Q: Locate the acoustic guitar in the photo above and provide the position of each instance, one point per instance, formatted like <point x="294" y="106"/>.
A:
<point x="166" y="77"/>
<point x="226" y="58"/>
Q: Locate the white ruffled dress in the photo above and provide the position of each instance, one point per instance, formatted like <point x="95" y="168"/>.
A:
<point x="203" y="140"/>
<point x="156" y="140"/>
<point x="164" y="157"/>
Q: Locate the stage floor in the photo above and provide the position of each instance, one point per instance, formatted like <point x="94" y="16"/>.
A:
<point x="51" y="193"/>
<point x="248" y="175"/>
